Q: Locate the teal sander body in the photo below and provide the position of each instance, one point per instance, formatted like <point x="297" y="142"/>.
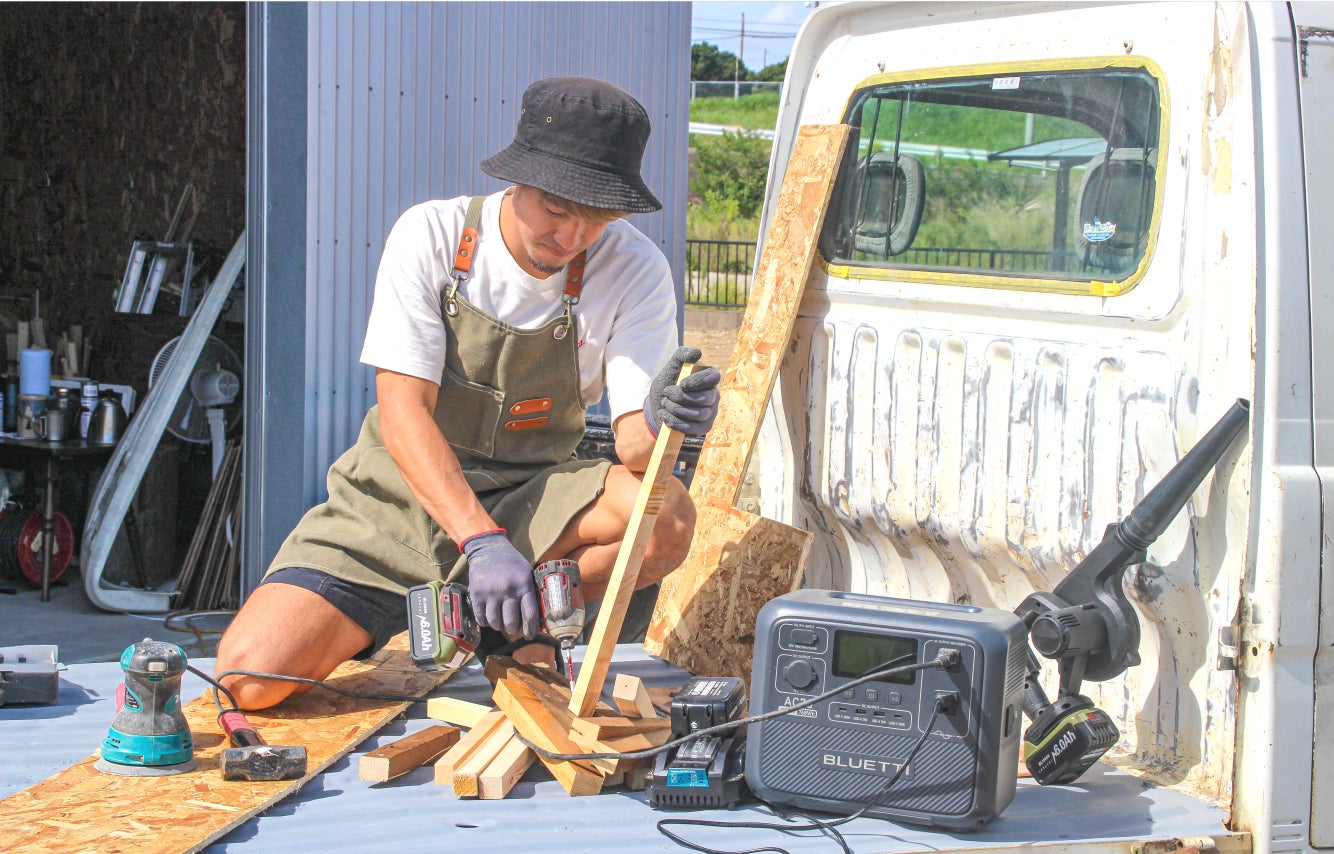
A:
<point x="149" y="735"/>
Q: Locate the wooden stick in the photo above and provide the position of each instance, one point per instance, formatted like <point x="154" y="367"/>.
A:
<point x="600" y="729"/>
<point x="444" y="766"/>
<point x="631" y="697"/>
<point x="467" y="771"/>
<point x="624" y="574"/>
<point x="505" y="770"/>
<point x="398" y="758"/>
<point x="458" y="712"/>
<point x="535" y="722"/>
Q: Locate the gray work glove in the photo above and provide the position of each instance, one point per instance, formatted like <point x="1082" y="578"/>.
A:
<point x="690" y="406"/>
<point x="500" y="585"/>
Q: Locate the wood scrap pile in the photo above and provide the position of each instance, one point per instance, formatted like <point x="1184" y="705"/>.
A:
<point x="533" y="702"/>
<point x="210" y="575"/>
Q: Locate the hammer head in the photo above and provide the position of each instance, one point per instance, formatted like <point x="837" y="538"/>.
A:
<point x="262" y="763"/>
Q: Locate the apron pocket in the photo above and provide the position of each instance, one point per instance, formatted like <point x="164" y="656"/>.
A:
<point x="478" y="434"/>
<point x="384" y="501"/>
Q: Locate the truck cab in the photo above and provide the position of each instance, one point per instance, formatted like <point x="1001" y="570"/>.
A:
<point x="1062" y="241"/>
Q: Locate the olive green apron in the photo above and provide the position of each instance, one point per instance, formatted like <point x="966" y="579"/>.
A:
<point x="510" y="407"/>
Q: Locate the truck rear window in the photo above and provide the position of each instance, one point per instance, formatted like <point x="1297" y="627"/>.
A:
<point x="1037" y="180"/>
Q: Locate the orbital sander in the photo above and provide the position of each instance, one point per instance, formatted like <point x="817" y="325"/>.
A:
<point x="149" y="736"/>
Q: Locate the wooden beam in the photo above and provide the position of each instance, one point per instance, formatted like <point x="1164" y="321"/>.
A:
<point x="488" y="748"/>
<point x="685" y="629"/>
<point x="399" y="757"/>
<point x="444" y="766"/>
<point x="509" y="766"/>
<point x="625" y="572"/>
<point x="535" y="722"/>
<point x="631" y="697"/>
<point x="601" y="729"/>
<point x="454" y="711"/>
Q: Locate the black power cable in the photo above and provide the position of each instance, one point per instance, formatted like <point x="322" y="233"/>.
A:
<point x="947" y="659"/>
<point x="829" y="827"/>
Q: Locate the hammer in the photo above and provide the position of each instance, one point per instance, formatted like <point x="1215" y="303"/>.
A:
<point x="253" y="760"/>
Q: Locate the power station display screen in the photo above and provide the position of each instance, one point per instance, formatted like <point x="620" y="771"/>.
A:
<point x="858" y="653"/>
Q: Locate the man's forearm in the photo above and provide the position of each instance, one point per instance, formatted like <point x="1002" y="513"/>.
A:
<point x="425" y="460"/>
<point x="634" y="442"/>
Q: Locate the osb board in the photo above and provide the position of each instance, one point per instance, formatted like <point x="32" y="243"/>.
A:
<point x="83" y="809"/>
<point x="705" y="621"/>
<point x="771" y="312"/>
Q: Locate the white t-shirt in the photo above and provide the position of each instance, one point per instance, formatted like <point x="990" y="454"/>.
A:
<point x="626" y="313"/>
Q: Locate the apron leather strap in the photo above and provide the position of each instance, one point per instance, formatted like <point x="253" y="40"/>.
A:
<point x="467" y="249"/>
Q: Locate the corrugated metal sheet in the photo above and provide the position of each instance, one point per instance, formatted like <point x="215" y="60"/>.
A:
<point x="336" y="811"/>
<point x="405" y="99"/>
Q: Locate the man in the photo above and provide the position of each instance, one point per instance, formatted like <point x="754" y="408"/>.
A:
<point x="496" y="321"/>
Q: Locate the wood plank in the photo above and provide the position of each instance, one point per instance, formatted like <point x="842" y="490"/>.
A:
<point x="631" y="697"/>
<point x="534" y="722"/>
<point x="472" y="766"/>
<point x="454" y="711"/>
<point x="625" y="572"/>
<point x="186" y="812"/>
<point x="601" y="729"/>
<point x="627" y="744"/>
<point x="701" y="588"/>
<point x="444" y="766"/>
<point x="398" y="758"/>
<point x="505" y="770"/>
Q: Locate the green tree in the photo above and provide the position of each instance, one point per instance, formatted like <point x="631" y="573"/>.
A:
<point x="707" y="62"/>
<point x="773" y="73"/>
<point x="731" y="168"/>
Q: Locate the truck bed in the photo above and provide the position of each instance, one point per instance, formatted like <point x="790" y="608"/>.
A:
<point x="1107" y="811"/>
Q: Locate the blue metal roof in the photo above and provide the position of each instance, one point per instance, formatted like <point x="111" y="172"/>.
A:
<point x="336" y="811"/>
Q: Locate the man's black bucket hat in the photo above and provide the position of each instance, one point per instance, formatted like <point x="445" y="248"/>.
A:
<point x="580" y="139"/>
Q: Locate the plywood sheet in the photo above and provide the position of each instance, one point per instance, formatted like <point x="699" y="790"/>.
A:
<point x="771" y="312"/>
<point x="704" y="621"/>
<point x="705" y="614"/>
<point x="83" y="809"/>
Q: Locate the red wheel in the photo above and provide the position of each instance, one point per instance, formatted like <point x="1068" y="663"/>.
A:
<point x="30" y="547"/>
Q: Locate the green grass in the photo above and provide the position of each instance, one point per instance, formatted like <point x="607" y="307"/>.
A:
<point x="754" y="112"/>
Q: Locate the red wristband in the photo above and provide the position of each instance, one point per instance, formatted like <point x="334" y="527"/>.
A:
<point x="480" y="534"/>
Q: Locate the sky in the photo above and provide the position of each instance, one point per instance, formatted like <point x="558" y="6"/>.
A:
<point x="770" y="28"/>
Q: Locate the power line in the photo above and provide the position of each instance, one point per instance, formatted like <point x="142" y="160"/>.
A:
<point x="734" y="33"/>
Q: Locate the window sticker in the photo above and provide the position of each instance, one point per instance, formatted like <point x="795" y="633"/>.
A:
<point x="1098" y="231"/>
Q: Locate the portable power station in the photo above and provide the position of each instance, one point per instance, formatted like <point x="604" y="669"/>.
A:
<point x="837" y="754"/>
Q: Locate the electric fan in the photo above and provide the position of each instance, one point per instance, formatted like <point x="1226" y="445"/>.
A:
<point x="211" y="405"/>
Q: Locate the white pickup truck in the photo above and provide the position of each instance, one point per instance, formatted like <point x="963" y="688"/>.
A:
<point x="1064" y="239"/>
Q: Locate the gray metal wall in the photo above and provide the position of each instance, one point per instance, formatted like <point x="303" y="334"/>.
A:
<point x="403" y="101"/>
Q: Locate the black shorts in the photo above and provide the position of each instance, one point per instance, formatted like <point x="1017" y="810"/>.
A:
<point x="380" y="613"/>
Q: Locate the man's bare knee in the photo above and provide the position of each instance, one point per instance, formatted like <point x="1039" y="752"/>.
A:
<point x="289" y="631"/>
<point x="672" y="533"/>
<point x="251" y="692"/>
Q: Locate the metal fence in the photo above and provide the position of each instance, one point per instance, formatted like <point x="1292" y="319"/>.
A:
<point x="1018" y="260"/>
<point x="718" y="273"/>
<point x="730" y="89"/>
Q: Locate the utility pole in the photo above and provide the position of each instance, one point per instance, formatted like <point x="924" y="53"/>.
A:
<point x="736" y="73"/>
